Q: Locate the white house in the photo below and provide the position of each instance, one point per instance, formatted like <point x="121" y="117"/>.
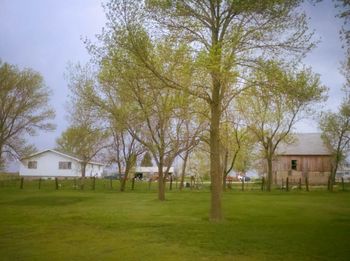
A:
<point x="52" y="163"/>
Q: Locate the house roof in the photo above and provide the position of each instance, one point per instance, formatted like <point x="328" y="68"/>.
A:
<point x="305" y="144"/>
<point x="64" y="154"/>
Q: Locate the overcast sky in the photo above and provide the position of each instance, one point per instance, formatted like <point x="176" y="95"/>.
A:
<point x="46" y="34"/>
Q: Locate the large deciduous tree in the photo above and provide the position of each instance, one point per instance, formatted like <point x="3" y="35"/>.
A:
<point x="124" y="151"/>
<point x="24" y="110"/>
<point x="280" y="98"/>
<point x="223" y="37"/>
<point x="237" y="143"/>
<point x="83" y="141"/>
<point x="335" y="128"/>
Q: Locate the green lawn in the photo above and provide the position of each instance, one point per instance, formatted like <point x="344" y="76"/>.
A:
<point x="108" y="225"/>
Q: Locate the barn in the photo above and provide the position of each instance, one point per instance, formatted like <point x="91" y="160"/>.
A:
<point x="308" y="156"/>
<point x="53" y="163"/>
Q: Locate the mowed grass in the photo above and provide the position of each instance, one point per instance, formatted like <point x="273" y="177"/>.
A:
<point x="109" y="225"/>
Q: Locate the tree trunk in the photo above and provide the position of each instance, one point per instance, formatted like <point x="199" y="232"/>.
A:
<point x="83" y="169"/>
<point x="123" y="180"/>
<point x="182" y="180"/>
<point x="269" y="173"/>
<point x="161" y="185"/>
<point x="2" y="161"/>
<point x="215" y="166"/>
<point x="225" y="172"/>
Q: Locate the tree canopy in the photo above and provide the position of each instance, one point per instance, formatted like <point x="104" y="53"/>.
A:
<point x="24" y="110"/>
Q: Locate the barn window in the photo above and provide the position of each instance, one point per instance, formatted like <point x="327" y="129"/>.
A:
<point x="32" y="164"/>
<point x="64" y="165"/>
<point x="294" y="164"/>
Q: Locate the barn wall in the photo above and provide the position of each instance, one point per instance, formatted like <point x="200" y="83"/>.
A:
<point x="316" y="167"/>
<point x="312" y="163"/>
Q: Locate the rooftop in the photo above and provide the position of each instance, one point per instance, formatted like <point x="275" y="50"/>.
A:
<point x="305" y="144"/>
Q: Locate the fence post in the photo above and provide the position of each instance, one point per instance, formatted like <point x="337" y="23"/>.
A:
<point x="39" y="183"/>
<point x="262" y="183"/>
<point x="242" y="183"/>
<point x="22" y="181"/>
<point x="342" y="183"/>
<point x="56" y="183"/>
<point x="149" y="183"/>
<point x="299" y="183"/>
<point x="307" y="183"/>
<point x="329" y="183"/>
<point x="82" y="183"/>
<point x="287" y="184"/>
<point x="93" y="182"/>
<point x="133" y="183"/>
<point x="171" y="183"/>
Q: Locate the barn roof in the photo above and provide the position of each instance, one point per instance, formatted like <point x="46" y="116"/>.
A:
<point x="64" y="154"/>
<point x="305" y="144"/>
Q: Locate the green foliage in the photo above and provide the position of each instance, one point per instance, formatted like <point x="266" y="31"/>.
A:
<point x="335" y="128"/>
<point x="278" y="98"/>
<point x="24" y="110"/>
<point x="83" y="141"/>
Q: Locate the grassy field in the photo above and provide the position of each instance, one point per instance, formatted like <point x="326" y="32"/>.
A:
<point x="108" y="225"/>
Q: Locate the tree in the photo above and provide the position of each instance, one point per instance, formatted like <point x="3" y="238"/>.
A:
<point x="96" y="101"/>
<point x="344" y="13"/>
<point x="224" y="37"/>
<point x="125" y="150"/>
<point x="280" y="98"/>
<point x="24" y="110"/>
<point x="84" y="141"/>
<point x="237" y="144"/>
<point x="147" y="160"/>
<point x="336" y="133"/>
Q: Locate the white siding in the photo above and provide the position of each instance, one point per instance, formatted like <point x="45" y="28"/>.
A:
<point x="47" y="166"/>
<point x="93" y="170"/>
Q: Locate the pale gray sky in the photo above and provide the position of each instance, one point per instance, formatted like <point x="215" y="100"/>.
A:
<point x="46" y="34"/>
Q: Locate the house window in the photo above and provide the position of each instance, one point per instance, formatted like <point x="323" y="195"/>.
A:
<point x="294" y="164"/>
<point x="32" y="164"/>
<point x="64" y="165"/>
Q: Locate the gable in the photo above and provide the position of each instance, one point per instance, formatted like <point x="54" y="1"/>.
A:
<point x="305" y="144"/>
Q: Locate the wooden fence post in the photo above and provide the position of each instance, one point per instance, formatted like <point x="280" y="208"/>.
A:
<point x="133" y="183"/>
<point x="149" y="183"/>
<point x="39" y="183"/>
<point x="287" y="184"/>
<point x="171" y="183"/>
<point x="307" y="183"/>
<point x="299" y="183"/>
<point x="329" y="183"/>
<point x="56" y="183"/>
<point x="342" y="183"/>
<point x="93" y="182"/>
<point x="262" y="183"/>
<point x="242" y="183"/>
<point x="82" y="183"/>
<point x="22" y="181"/>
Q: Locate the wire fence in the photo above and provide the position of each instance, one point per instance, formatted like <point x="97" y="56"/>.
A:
<point x="102" y="184"/>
